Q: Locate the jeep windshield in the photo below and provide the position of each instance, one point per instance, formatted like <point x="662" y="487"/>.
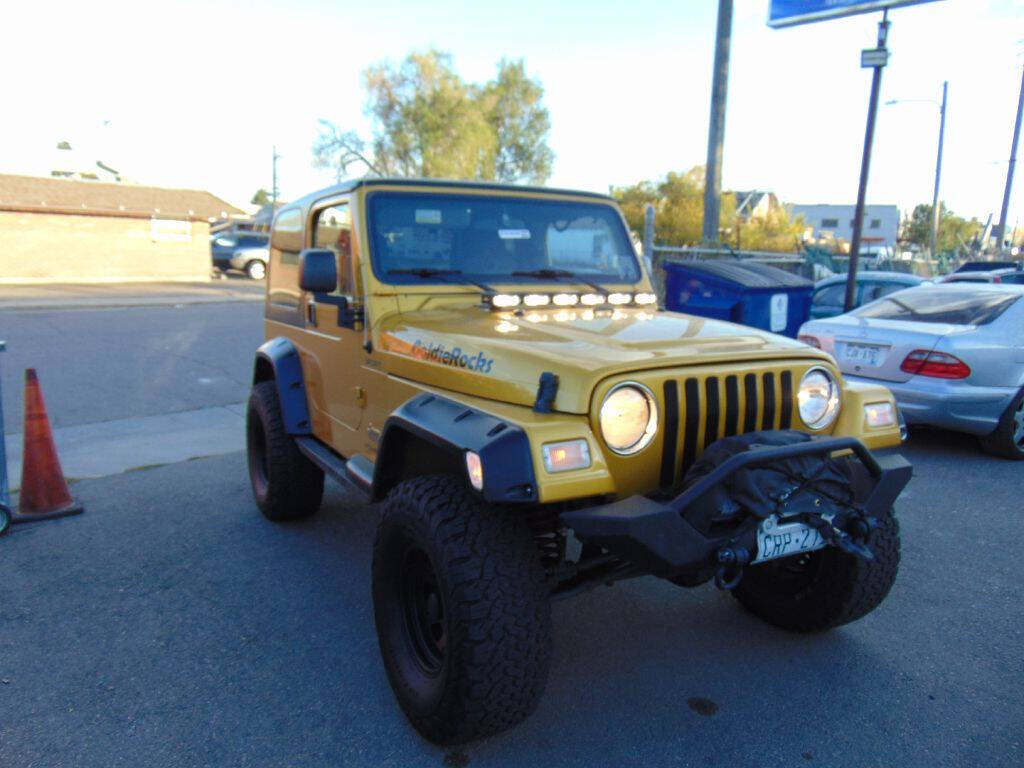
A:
<point x="440" y="238"/>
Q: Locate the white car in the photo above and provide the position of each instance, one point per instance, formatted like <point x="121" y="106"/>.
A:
<point x="952" y="354"/>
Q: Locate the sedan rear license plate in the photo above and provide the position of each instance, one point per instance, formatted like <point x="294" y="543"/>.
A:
<point x="775" y="540"/>
<point x="868" y="354"/>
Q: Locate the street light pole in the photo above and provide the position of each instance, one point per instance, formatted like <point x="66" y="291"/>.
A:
<point x="716" y="127"/>
<point x="938" y="171"/>
<point x="273" y="183"/>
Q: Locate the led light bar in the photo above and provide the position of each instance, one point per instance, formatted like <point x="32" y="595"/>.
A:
<point x="505" y="300"/>
<point x="616" y="299"/>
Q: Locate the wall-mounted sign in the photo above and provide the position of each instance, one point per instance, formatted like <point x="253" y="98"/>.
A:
<point x="170" y="231"/>
<point x="786" y="13"/>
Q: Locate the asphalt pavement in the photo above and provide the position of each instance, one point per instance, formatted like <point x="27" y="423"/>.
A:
<point x="116" y="363"/>
<point x="172" y="625"/>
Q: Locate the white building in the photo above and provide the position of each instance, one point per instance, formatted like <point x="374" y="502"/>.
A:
<point x="879" y="232"/>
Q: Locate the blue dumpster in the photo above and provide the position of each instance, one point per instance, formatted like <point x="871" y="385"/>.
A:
<point x="742" y="292"/>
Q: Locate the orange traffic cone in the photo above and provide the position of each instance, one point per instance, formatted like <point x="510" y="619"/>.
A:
<point x="44" y="493"/>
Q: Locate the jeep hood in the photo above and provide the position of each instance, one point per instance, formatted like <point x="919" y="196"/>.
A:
<point x="501" y="355"/>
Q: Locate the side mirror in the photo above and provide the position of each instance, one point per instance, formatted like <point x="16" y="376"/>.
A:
<point x="318" y="270"/>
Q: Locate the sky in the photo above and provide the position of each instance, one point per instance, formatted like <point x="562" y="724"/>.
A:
<point x="196" y="93"/>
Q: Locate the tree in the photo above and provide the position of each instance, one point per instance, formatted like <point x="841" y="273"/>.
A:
<point x="678" y="203"/>
<point x="337" y="150"/>
<point x="954" y="231"/>
<point x="776" y="231"/>
<point x="261" y="198"/>
<point x="520" y="122"/>
<point x="428" y="122"/>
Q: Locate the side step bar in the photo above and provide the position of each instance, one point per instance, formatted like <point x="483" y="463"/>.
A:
<point x="356" y="472"/>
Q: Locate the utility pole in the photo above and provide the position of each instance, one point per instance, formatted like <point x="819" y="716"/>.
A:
<point x="877" y="59"/>
<point x="1001" y="226"/>
<point x="273" y="184"/>
<point x="716" y="127"/>
<point x="938" y="172"/>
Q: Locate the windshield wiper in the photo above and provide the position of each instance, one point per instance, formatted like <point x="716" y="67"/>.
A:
<point x="442" y="273"/>
<point x="555" y="274"/>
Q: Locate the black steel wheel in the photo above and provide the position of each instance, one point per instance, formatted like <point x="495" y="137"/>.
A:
<point x="462" y="610"/>
<point x="425" y="627"/>
<point x="285" y="484"/>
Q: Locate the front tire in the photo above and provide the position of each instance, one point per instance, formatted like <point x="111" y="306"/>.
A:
<point x="462" y="610"/>
<point x="285" y="484"/>
<point x="1008" y="439"/>
<point x="823" y="589"/>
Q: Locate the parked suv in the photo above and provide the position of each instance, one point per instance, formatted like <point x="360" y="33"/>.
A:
<point x="489" y="363"/>
<point x="243" y="251"/>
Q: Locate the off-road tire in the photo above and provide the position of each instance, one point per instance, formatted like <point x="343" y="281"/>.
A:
<point x="823" y="589"/>
<point x="285" y="484"/>
<point x="466" y="646"/>
<point x="1007" y="440"/>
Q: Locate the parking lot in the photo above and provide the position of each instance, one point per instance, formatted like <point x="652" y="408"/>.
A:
<point x="172" y="624"/>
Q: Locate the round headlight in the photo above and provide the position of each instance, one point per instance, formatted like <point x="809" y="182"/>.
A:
<point x="628" y="418"/>
<point x="818" y="397"/>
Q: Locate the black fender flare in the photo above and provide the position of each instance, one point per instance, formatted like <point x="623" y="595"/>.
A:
<point x="455" y="428"/>
<point x="278" y="360"/>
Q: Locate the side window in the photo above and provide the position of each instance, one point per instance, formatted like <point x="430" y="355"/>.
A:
<point x="872" y="291"/>
<point x="287" y="235"/>
<point x="830" y="295"/>
<point x="333" y="230"/>
<point x="884" y="289"/>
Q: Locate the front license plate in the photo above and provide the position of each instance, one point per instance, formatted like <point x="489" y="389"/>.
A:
<point x="775" y="540"/>
<point x="866" y="354"/>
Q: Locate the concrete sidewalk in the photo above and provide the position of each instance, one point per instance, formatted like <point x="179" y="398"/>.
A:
<point x="22" y="297"/>
<point x="111" y="447"/>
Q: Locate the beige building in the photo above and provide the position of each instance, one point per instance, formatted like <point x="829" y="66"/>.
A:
<point x="64" y="230"/>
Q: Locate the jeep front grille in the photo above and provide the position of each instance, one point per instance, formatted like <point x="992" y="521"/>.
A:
<point x="750" y="401"/>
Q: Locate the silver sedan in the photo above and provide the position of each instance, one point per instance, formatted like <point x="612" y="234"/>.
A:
<point x="952" y="354"/>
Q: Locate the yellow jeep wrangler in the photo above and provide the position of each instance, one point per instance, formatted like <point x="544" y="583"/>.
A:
<point x="490" y="362"/>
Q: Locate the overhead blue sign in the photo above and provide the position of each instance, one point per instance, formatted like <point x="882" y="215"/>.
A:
<point x="786" y="13"/>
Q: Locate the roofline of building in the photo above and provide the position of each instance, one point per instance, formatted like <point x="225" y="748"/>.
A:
<point x="845" y="205"/>
<point x="114" y="213"/>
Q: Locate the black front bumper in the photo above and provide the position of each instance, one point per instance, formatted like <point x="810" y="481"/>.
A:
<point x="656" y="535"/>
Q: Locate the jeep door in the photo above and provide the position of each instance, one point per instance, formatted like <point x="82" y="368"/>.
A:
<point x="334" y="337"/>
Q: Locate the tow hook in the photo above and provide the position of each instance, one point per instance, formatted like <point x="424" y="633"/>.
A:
<point x="730" y="570"/>
<point x="852" y="538"/>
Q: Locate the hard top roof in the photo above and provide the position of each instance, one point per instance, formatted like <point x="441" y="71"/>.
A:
<point x="349" y="186"/>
